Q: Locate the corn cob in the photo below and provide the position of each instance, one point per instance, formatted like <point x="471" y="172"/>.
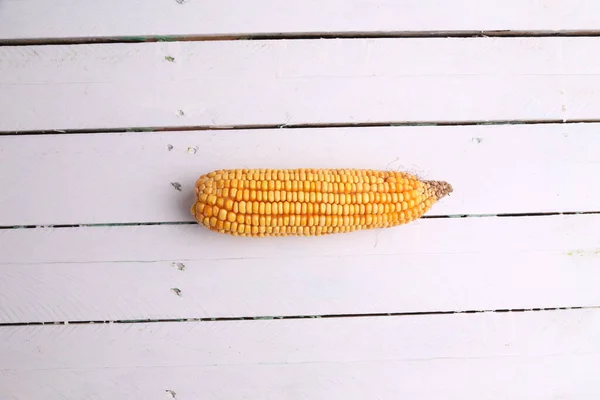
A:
<point x="275" y="202"/>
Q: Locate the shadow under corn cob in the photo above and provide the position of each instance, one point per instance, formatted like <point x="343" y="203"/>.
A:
<point x="279" y="202"/>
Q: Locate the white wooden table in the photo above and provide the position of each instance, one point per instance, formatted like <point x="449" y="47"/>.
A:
<point x="110" y="110"/>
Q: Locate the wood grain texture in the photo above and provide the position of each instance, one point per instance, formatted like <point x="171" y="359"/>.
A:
<point x="278" y="82"/>
<point x="130" y="273"/>
<point x="109" y="291"/>
<point x="501" y="355"/>
<point x="39" y="19"/>
<point x="116" y="178"/>
<point x="572" y="376"/>
<point x="192" y="242"/>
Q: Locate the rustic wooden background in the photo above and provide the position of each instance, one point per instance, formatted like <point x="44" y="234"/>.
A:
<point x="110" y="110"/>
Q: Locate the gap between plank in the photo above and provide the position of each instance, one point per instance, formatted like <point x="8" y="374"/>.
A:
<point x="296" y="126"/>
<point x="108" y="224"/>
<point x="286" y="317"/>
<point x="300" y="36"/>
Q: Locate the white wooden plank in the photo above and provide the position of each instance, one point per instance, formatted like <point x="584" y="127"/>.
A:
<point x="297" y="82"/>
<point x="34" y="19"/>
<point x="192" y="242"/>
<point x="102" y="178"/>
<point x="501" y="355"/>
<point x="126" y="273"/>
<point x="571" y="376"/>
<point x="110" y="291"/>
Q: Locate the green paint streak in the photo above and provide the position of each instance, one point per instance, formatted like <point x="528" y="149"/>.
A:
<point x="133" y="38"/>
<point x="165" y="38"/>
<point x="139" y="130"/>
<point x="169" y="59"/>
<point x="583" y="253"/>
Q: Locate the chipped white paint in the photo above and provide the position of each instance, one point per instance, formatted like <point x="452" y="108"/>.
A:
<point x="539" y="355"/>
<point x="149" y="177"/>
<point x="160" y="272"/>
<point x="426" y="276"/>
<point x="41" y="19"/>
<point x="174" y="243"/>
<point x="298" y="82"/>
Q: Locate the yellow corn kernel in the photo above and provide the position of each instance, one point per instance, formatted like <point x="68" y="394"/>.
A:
<point x="310" y="201"/>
